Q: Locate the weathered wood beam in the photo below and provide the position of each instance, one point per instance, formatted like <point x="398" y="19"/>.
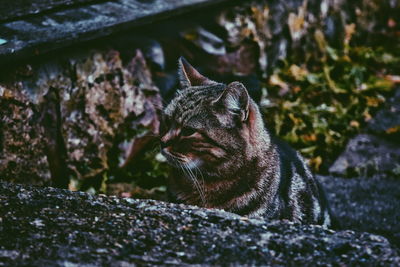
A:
<point x="35" y="35"/>
<point x="11" y="10"/>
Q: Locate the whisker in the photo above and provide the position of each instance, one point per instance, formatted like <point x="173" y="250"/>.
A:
<point x="196" y="183"/>
<point x="193" y="179"/>
<point x="203" y="182"/>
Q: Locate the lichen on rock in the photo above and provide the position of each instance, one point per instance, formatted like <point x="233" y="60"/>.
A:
<point x="90" y="109"/>
<point x="22" y="156"/>
<point x="108" y="103"/>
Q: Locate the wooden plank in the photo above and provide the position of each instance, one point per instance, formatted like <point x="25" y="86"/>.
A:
<point x="40" y="34"/>
<point x="11" y="10"/>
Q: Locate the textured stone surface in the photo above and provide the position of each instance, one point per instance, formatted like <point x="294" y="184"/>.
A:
<point x="76" y="118"/>
<point x="366" y="155"/>
<point x="366" y="204"/>
<point x="55" y="227"/>
<point x="22" y="156"/>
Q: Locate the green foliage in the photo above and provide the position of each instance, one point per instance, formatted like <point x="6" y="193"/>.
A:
<point x="152" y="170"/>
<point x="319" y="104"/>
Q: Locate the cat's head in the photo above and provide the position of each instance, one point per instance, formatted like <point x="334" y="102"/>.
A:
<point x="208" y="124"/>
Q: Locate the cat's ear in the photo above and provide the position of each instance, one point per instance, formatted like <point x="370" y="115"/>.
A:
<point x="189" y="76"/>
<point x="235" y="99"/>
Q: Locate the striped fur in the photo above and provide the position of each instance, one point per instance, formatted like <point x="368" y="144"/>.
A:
<point x="225" y="157"/>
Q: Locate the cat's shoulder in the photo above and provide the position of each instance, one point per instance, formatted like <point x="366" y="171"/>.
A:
<point x="290" y="160"/>
<point x="284" y="149"/>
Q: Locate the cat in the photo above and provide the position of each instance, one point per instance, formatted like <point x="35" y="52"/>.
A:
<point x="225" y="158"/>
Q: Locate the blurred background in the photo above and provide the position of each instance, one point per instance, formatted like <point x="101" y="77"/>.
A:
<point x="83" y="84"/>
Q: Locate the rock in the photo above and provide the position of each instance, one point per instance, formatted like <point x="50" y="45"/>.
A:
<point x="387" y="120"/>
<point x="77" y="117"/>
<point x="376" y="151"/>
<point x="111" y="101"/>
<point x="370" y="205"/>
<point x="366" y="155"/>
<point x="22" y="148"/>
<point x="47" y="226"/>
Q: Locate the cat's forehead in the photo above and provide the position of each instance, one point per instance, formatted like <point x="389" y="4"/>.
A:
<point x="190" y="101"/>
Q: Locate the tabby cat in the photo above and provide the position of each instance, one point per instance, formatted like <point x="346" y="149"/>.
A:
<point x="225" y="157"/>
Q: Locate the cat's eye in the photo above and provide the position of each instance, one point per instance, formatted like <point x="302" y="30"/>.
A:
<point x="187" y="131"/>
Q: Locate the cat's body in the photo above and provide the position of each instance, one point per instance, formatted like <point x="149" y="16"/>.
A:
<point x="227" y="159"/>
